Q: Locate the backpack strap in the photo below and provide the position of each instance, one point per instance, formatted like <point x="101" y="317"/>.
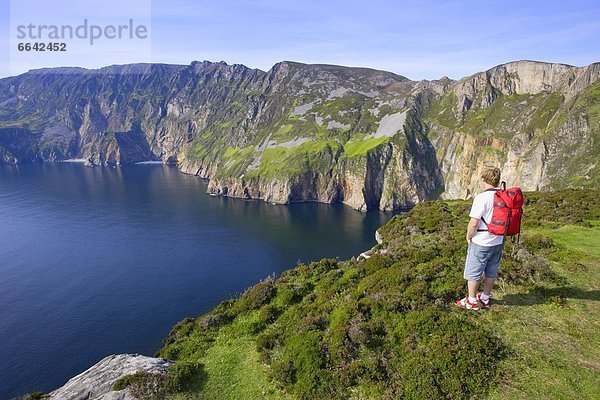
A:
<point x="483" y="219"/>
<point x="491" y="190"/>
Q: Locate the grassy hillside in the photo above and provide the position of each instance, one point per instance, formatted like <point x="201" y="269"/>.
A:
<point x="386" y="327"/>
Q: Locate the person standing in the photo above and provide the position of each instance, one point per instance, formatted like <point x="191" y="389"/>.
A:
<point x="484" y="249"/>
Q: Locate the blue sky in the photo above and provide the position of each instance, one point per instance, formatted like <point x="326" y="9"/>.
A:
<point x="417" y="39"/>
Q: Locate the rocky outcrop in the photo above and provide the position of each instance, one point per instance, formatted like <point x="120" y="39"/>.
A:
<point x="370" y="139"/>
<point x="97" y="382"/>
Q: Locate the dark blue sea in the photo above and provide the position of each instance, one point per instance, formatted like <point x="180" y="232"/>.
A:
<point x="99" y="261"/>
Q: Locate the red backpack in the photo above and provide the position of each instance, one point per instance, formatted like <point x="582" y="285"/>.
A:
<point x="508" y="209"/>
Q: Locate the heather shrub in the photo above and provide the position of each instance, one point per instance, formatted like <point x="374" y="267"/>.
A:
<point x="385" y="327"/>
<point x="257" y="295"/>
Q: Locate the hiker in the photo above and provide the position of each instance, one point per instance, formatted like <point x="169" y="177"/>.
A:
<point x="484" y="249"/>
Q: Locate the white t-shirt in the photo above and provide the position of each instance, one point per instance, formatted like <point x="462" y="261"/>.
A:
<point x="483" y="206"/>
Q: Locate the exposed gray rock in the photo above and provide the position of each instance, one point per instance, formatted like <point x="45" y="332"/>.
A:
<point x="96" y="383"/>
<point x="389" y="125"/>
<point x="378" y="237"/>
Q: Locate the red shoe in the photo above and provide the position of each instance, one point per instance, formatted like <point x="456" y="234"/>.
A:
<point x="485" y="304"/>
<point x="465" y="303"/>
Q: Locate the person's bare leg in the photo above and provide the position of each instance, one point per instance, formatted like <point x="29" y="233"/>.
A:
<point x="488" y="284"/>
<point x="473" y="287"/>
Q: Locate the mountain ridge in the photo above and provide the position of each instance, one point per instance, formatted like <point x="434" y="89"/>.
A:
<point x="314" y="132"/>
<point x="222" y="62"/>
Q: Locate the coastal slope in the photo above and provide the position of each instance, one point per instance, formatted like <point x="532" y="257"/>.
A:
<point x="386" y="327"/>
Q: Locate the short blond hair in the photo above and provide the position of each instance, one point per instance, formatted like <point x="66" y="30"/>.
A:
<point x="491" y="175"/>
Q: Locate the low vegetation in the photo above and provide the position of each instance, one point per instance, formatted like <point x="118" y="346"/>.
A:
<point x="386" y="327"/>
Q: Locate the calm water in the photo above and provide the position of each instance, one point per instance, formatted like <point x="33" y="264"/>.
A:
<point x="102" y="261"/>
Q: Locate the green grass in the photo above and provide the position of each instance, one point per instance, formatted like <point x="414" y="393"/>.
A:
<point x="305" y="158"/>
<point x="234" y="369"/>
<point x="556" y="347"/>
<point x="501" y="115"/>
<point x="361" y="147"/>
<point x="592" y="97"/>
<point x="235" y="160"/>
<point x="554" y="329"/>
<point x="579" y="158"/>
<point x="33" y="123"/>
<point x="386" y="327"/>
<point x="583" y="242"/>
<point x="349" y="105"/>
<point x="489" y="150"/>
<point x="442" y="112"/>
<point x="547" y="109"/>
<point x="588" y="102"/>
<point x="575" y="253"/>
<point x="198" y="151"/>
<point x="281" y="162"/>
<point x="224" y="125"/>
<point x="282" y="133"/>
<point x="534" y="112"/>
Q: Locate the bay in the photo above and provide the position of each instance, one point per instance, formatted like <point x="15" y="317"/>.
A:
<point x="99" y="261"/>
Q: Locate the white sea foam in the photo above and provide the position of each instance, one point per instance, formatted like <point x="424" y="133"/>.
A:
<point x="75" y="160"/>
<point x="147" y="162"/>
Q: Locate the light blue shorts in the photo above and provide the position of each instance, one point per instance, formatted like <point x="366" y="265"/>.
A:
<point x="482" y="259"/>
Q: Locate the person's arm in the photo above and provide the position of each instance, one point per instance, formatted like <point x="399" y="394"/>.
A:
<point x="477" y="211"/>
<point x="472" y="228"/>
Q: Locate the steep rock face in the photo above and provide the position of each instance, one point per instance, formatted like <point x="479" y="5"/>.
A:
<point x="17" y="145"/>
<point x="96" y="382"/>
<point x="524" y="77"/>
<point x="461" y="157"/>
<point x="537" y="121"/>
<point x="370" y="139"/>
